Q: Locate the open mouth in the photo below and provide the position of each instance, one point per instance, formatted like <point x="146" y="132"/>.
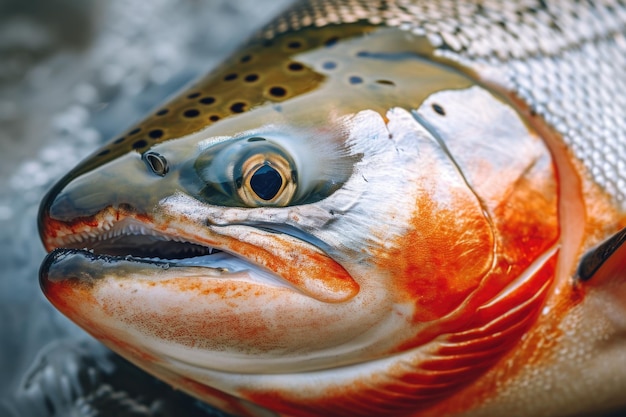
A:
<point x="132" y="249"/>
<point x="133" y="246"/>
<point x="126" y="245"/>
<point x="130" y="238"/>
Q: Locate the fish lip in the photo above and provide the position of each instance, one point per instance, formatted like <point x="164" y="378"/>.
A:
<point x="109" y="225"/>
<point x="113" y="239"/>
<point x="71" y="258"/>
<point x="56" y="256"/>
<point x="55" y="260"/>
<point x="80" y="238"/>
<point x="274" y="259"/>
<point x="92" y="236"/>
<point x="59" y="253"/>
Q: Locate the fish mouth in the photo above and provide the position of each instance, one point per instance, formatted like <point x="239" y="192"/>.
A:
<point x="130" y="238"/>
<point x="125" y="244"/>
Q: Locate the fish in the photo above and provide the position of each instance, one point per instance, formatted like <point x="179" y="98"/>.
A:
<point x="403" y="208"/>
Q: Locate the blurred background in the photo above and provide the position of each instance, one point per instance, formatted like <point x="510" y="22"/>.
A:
<point x="74" y="73"/>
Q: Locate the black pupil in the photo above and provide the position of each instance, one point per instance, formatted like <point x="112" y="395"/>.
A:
<point x="266" y="182"/>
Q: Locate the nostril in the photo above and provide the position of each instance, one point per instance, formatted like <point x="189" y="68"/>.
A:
<point x="156" y="162"/>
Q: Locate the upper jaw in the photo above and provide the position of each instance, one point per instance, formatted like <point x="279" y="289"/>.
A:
<point x="120" y="232"/>
<point x="131" y="237"/>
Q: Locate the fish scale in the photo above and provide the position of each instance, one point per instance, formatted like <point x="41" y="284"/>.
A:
<point x="545" y="52"/>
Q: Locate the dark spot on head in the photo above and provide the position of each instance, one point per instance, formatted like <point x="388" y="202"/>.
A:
<point x="355" y="80"/>
<point x="214" y="118"/>
<point x="104" y="152"/>
<point x="246" y="58"/>
<point x="119" y="140"/>
<point x="238" y="107"/>
<point x="438" y="109"/>
<point x="162" y="112"/>
<point x="278" y="92"/>
<point x="139" y="144"/>
<point x="385" y="82"/>
<point x="251" y="78"/>
<point x="207" y="100"/>
<point x="331" y="41"/>
<point x="193" y="95"/>
<point x="294" y="44"/>
<point x="256" y="139"/>
<point x="296" y="66"/>
<point x="329" y="65"/>
<point x="230" y="77"/>
<point x="191" y="113"/>
<point x="155" y="134"/>
<point x="135" y="131"/>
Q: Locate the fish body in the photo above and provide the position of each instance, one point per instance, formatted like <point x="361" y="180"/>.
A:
<point x="373" y="208"/>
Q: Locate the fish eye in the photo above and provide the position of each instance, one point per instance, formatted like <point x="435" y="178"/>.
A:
<point x="250" y="172"/>
<point x="276" y="169"/>
<point x="156" y="162"/>
<point x="266" y="177"/>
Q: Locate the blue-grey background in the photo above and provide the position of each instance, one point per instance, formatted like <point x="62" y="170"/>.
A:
<point x="74" y="73"/>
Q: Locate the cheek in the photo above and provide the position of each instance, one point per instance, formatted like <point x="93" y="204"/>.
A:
<point x="443" y="258"/>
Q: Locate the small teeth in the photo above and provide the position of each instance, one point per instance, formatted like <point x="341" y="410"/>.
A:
<point x="109" y="231"/>
<point x="76" y="238"/>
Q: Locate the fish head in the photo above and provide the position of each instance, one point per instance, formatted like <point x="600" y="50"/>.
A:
<point x="309" y="216"/>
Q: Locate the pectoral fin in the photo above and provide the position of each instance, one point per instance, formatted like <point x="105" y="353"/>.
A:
<point x="606" y="262"/>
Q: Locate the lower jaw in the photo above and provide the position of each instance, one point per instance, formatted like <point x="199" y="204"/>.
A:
<point x="84" y="265"/>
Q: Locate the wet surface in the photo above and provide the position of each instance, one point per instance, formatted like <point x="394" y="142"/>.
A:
<point x="73" y="74"/>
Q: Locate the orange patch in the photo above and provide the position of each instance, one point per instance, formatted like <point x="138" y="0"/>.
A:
<point x="312" y="272"/>
<point x="586" y="214"/>
<point x="457" y="361"/>
<point x="441" y="260"/>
